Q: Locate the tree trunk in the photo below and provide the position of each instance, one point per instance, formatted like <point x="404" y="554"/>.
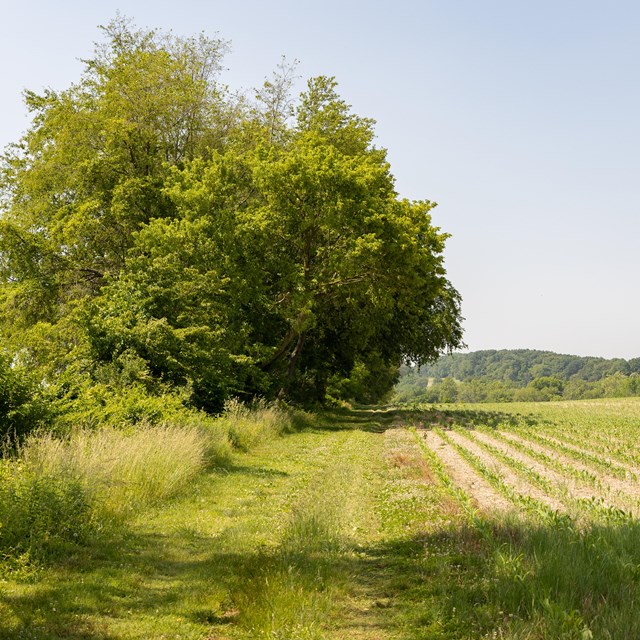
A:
<point x="291" y="367"/>
<point x="280" y="351"/>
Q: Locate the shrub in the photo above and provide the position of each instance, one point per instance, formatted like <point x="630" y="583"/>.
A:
<point x="21" y="406"/>
<point x="40" y="513"/>
<point x="104" y="404"/>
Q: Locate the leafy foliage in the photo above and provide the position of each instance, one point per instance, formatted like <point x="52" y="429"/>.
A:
<point x="519" y="375"/>
<point x="22" y="407"/>
<point x="230" y="249"/>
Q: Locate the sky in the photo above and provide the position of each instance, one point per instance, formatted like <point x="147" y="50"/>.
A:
<point x="519" y="118"/>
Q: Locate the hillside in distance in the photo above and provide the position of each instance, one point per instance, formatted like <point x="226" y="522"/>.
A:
<point x="521" y="366"/>
<point x="508" y="375"/>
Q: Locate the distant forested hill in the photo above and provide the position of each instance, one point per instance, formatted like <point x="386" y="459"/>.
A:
<point x="521" y="366"/>
<point x="518" y="374"/>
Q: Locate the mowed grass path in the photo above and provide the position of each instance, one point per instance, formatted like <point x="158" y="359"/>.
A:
<point x="336" y="532"/>
<point x="364" y="528"/>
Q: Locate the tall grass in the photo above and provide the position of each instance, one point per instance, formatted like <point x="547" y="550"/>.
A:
<point x="249" y="426"/>
<point x="40" y="513"/>
<point x="121" y="472"/>
<point x="59" y="491"/>
<point x="55" y="491"/>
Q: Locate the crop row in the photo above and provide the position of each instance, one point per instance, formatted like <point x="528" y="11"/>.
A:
<point x="536" y="482"/>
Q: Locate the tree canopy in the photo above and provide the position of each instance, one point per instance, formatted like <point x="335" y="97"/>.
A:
<point x="521" y="366"/>
<point x="228" y="246"/>
<point x="519" y="375"/>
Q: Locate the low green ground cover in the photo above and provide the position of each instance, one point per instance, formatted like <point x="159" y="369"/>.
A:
<point x="345" y="528"/>
<point x="62" y="490"/>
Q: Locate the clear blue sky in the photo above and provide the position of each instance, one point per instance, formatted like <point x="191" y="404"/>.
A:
<point x="520" y="118"/>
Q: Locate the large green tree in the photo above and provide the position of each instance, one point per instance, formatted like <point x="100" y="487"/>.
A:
<point x="234" y="249"/>
<point x="90" y="170"/>
<point x="313" y="264"/>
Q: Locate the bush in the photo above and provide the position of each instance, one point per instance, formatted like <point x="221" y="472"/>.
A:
<point x="39" y="512"/>
<point x="119" y="405"/>
<point x="21" y="407"/>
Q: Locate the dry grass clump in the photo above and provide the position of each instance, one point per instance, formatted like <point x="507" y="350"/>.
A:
<point x="251" y="425"/>
<point x="59" y="490"/>
<point x="121" y="471"/>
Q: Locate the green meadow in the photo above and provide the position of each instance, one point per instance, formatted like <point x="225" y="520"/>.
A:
<point x="209" y="295"/>
<point x="505" y="521"/>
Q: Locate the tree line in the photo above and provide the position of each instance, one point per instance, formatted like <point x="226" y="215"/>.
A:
<point x="161" y="233"/>
<point x="518" y="375"/>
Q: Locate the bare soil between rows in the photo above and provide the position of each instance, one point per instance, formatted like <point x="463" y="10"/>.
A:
<point x="564" y="489"/>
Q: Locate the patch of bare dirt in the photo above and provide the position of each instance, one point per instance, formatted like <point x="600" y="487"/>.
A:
<point x="482" y="494"/>
<point x="510" y="477"/>
<point x="403" y="453"/>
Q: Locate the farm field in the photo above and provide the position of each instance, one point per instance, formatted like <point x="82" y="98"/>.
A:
<point x="554" y="490"/>
<point x="447" y="522"/>
<point x="576" y="459"/>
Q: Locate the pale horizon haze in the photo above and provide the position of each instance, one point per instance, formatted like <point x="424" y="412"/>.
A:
<point x="520" y="119"/>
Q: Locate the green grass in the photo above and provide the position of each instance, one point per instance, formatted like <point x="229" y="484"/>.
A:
<point x="60" y="492"/>
<point x="343" y="530"/>
<point x="56" y="491"/>
<point x="292" y="541"/>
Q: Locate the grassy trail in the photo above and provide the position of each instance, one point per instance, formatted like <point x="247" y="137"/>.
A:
<point x="355" y="529"/>
<point x="317" y="535"/>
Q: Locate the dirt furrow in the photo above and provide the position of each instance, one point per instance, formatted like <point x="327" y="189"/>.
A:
<point x="617" y="463"/>
<point x="574" y="489"/>
<point x="519" y="484"/>
<point x="483" y="495"/>
<point x="627" y="488"/>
